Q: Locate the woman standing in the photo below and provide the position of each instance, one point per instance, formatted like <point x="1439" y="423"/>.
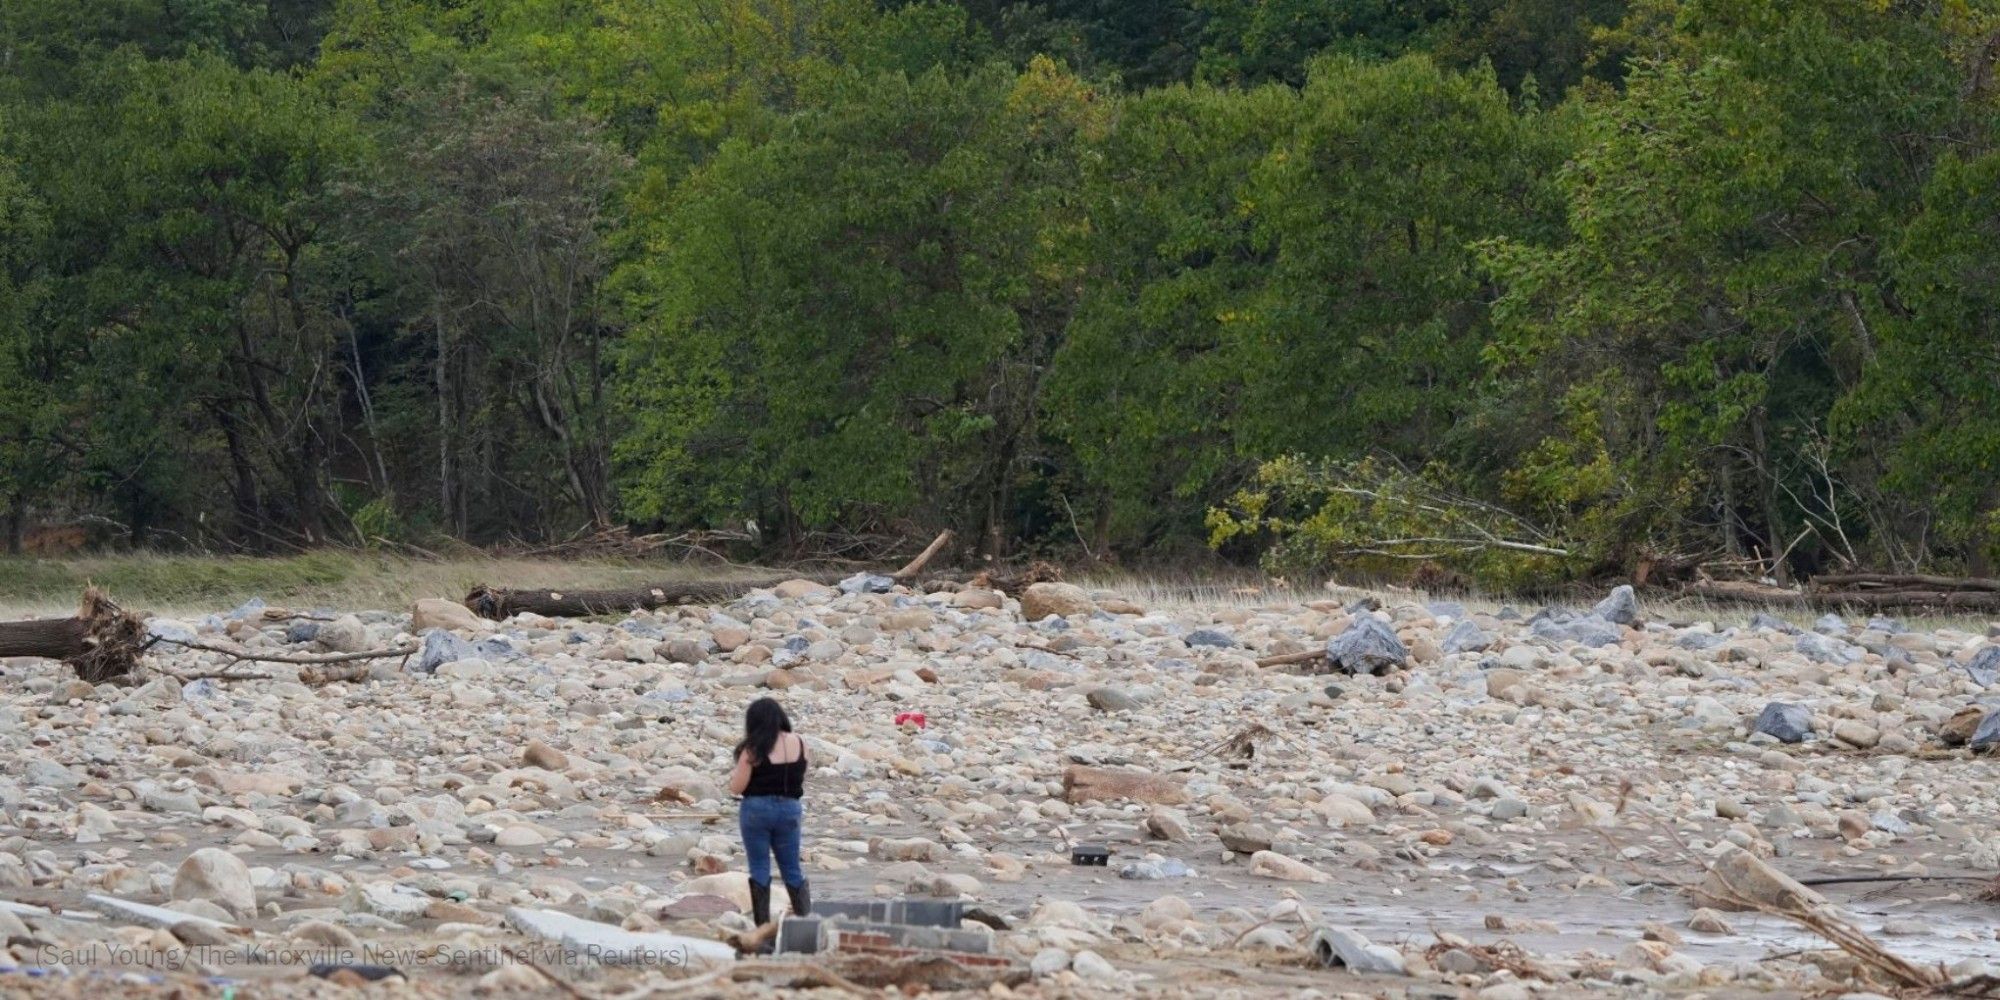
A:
<point x="770" y="774"/>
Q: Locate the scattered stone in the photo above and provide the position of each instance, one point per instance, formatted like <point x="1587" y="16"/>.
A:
<point x="1620" y="608"/>
<point x="1856" y="734"/>
<point x="434" y="612"/>
<point x="1041" y="600"/>
<point x="548" y="758"/>
<point x="1984" y="667"/>
<point x="1784" y="723"/>
<point x="1345" y="946"/>
<point x="1367" y="646"/>
<point x="1708" y="921"/>
<point x="218" y="877"/>
<point x="1467" y="637"/>
<point x="1274" y="865"/>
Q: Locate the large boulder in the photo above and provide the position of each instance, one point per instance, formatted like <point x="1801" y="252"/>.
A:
<point x="1065" y="600"/>
<point x="1984" y="667"/>
<point x="1367" y="646"/>
<point x="345" y="634"/>
<point x="219" y="877"/>
<point x="436" y="612"/>
<point x="1466" y="637"/>
<point x="1786" y="723"/>
<point x="1621" y="608"/>
<point x="1584" y="630"/>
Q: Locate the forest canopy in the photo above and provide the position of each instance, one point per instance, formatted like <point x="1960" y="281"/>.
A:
<point x="1522" y="289"/>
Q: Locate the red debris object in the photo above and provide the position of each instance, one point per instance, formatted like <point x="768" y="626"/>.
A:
<point x="916" y="718"/>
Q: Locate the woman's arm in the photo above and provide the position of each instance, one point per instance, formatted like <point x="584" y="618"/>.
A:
<point x="739" y="779"/>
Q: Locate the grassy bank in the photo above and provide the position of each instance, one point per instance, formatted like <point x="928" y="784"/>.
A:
<point x="175" y="584"/>
<point x="349" y="581"/>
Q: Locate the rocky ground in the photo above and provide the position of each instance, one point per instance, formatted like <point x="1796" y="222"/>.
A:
<point x="1479" y="802"/>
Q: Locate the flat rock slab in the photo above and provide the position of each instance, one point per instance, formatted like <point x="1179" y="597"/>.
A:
<point x="608" y="945"/>
<point x="151" y="916"/>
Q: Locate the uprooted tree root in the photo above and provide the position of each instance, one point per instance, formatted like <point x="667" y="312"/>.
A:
<point x="103" y="642"/>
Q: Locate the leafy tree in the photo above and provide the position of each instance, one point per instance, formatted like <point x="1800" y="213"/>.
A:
<point x="1145" y="390"/>
<point x="854" y="319"/>
<point x="183" y="261"/>
<point x="1723" y="282"/>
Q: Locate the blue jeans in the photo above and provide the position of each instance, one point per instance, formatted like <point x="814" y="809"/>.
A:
<point x="770" y="825"/>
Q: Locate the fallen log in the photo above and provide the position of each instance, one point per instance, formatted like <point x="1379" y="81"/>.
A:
<point x="1915" y="600"/>
<point x="102" y="643"/>
<point x="1283" y="659"/>
<point x="1904" y="581"/>
<point x="1102" y="784"/>
<point x="1872" y="600"/>
<point x="1738" y="590"/>
<point x="498" y="604"/>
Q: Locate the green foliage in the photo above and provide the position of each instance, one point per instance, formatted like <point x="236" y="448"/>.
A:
<point x="1674" y="278"/>
<point x="1375" y="518"/>
<point x="854" y="315"/>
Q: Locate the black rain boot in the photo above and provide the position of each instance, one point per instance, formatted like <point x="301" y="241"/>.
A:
<point x="760" y="903"/>
<point x="801" y="897"/>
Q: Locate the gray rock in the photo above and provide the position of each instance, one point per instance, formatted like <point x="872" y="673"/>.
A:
<point x="1466" y="637"/>
<point x="299" y="631"/>
<point x="1446" y="609"/>
<point x="1345" y="946"/>
<point x="1213" y="638"/>
<point x="44" y="773"/>
<point x="1620" y="608"/>
<point x="1048" y="962"/>
<point x="1984" y="667"/>
<point x="344" y="635"/>
<point x="1367" y="646"/>
<point x="441" y="647"/>
<point x="218" y="877"/>
<point x="1786" y="723"/>
<point x="1107" y="699"/>
<point x="867" y="583"/>
<point x="1761" y="622"/>
<point x="1830" y="624"/>
<point x="1822" y="649"/>
<point x="1988" y="734"/>
<point x="1584" y="630"/>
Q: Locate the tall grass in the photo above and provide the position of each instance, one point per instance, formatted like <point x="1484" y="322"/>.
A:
<point x="333" y="579"/>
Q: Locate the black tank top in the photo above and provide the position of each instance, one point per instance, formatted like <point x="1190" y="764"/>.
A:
<point x="787" y="780"/>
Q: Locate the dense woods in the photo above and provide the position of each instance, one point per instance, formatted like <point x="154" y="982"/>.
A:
<point x="1518" y="289"/>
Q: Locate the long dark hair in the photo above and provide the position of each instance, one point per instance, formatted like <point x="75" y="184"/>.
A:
<point x="762" y="722"/>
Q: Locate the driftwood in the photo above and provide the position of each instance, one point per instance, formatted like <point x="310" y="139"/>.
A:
<point x="102" y="643"/>
<point x="498" y="604"/>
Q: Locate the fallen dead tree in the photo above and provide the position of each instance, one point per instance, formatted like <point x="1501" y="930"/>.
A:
<point x="1823" y="597"/>
<point x="103" y="642"/>
<point x="498" y="604"/>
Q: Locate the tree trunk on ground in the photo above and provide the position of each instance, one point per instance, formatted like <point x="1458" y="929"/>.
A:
<point x="488" y="602"/>
<point x="102" y="643"/>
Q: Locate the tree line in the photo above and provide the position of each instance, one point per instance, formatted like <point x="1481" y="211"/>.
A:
<point x="1618" y="283"/>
